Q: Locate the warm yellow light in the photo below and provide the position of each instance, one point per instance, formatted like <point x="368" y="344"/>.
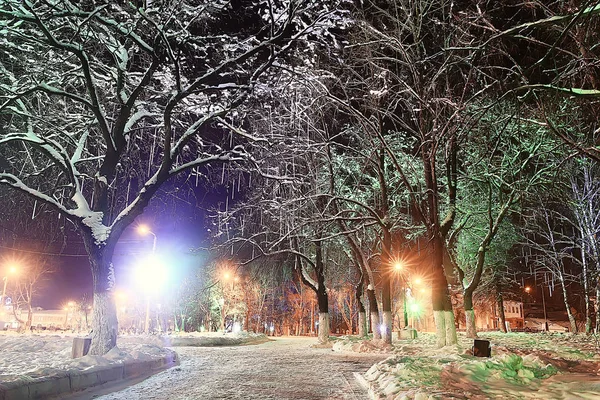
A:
<point x="236" y="279"/>
<point x="152" y="274"/>
<point x="527" y="289"/>
<point x="418" y="281"/>
<point x="12" y="269"/>
<point x="422" y="290"/>
<point x="398" y="266"/>
<point x="143" y="229"/>
<point x="71" y="303"/>
<point x="121" y="295"/>
<point x="226" y="276"/>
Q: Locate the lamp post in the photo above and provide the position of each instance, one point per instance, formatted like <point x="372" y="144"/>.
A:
<point x="11" y="270"/>
<point x="145" y="230"/>
<point x="150" y="276"/>
<point x="399" y="267"/>
<point x="527" y="290"/>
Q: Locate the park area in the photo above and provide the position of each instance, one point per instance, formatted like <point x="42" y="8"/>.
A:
<point x="522" y="366"/>
<point x="303" y="170"/>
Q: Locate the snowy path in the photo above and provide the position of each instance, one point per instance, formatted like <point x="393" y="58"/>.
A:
<point x="286" y="368"/>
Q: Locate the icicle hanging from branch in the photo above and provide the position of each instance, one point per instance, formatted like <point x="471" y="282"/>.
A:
<point x="151" y="158"/>
<point x="223" y="174"/>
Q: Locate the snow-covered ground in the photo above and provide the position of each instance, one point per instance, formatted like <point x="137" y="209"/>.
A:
<point x="522" y="366"/>
<point x="38" y="354"/>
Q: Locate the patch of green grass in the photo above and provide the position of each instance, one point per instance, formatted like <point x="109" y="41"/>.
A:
<point x="511" y="368"/>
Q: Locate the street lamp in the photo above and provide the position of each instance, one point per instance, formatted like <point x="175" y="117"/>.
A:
<point x="150" y="276"/>
<point x="399" y="268"/>
<point x="527" y="290"/>
<point x="145" y="230"/>
<point x="12" y="269"/>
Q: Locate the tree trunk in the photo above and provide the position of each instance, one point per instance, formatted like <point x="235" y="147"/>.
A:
<point x="386" y="288"/>
<point x="323" y="301"/>
<point x="440" y="298"/>
<point x="29" y="318"/>
<point x="469" y="314"/>
<point x="362" y="315"/>
<point x="500" y="306"/>
<point x="104" y="318"/>
<point x="323" y="327"/>
<point x="586" y="285"/>
<point x="374" y="313"/>
<point x="104" y="323"/>
<point x="572" y="321"/>
<point x="362" y="324"/>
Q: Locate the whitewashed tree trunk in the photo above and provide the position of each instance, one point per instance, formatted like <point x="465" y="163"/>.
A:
<point x="440" y="328"/>
<point x="444" y="328"/>
<point x="450" y="326"/>
<point x="324" y="327"/>
<point x="386" y="334"/>
<point x="470" y="321"/>
<point x="375" y="326"/>
<point x="104" y="323"/>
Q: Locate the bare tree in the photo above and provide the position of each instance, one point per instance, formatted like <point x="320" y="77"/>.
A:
<point x="550" y="238"/>
<point x="120" y="99"/>
<point x="31" y="277"/>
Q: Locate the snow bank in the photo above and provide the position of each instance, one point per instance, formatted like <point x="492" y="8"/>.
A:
<point x="35" y="355"/>
<point x="523" y="365"/>
<point x="40" y="354"/>
<point x="198" y="339"/>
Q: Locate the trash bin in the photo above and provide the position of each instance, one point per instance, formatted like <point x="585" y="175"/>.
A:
<point x="481" y="348"/>
<point x="81" y="346"/>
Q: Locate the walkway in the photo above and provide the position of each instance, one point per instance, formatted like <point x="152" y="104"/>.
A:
<point x="285" y="368"/>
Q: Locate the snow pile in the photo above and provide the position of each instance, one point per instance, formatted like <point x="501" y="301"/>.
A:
<point x="34" y="355"/>
<point x="349" y="343"/>
<point x="529" y="366"/>
<point x="211" y="339"/>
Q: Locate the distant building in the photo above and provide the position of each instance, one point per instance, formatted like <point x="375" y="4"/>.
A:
<point x="489" y="318"/>
<point x="47" y="319"/>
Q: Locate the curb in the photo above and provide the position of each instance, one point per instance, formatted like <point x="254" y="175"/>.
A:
<point x="64" y="382"/>
<point x="360" y="379"/>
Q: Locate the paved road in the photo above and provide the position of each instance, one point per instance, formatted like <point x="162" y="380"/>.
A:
<point x="285" y="368"/>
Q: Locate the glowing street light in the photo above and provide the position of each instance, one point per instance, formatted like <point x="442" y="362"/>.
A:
<point x="143" y="229"/>
<point x="12" y="269"/>
<point x="528" y="290"/>
<point x="399" y="268"/>
<point x="150" y="276"/>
